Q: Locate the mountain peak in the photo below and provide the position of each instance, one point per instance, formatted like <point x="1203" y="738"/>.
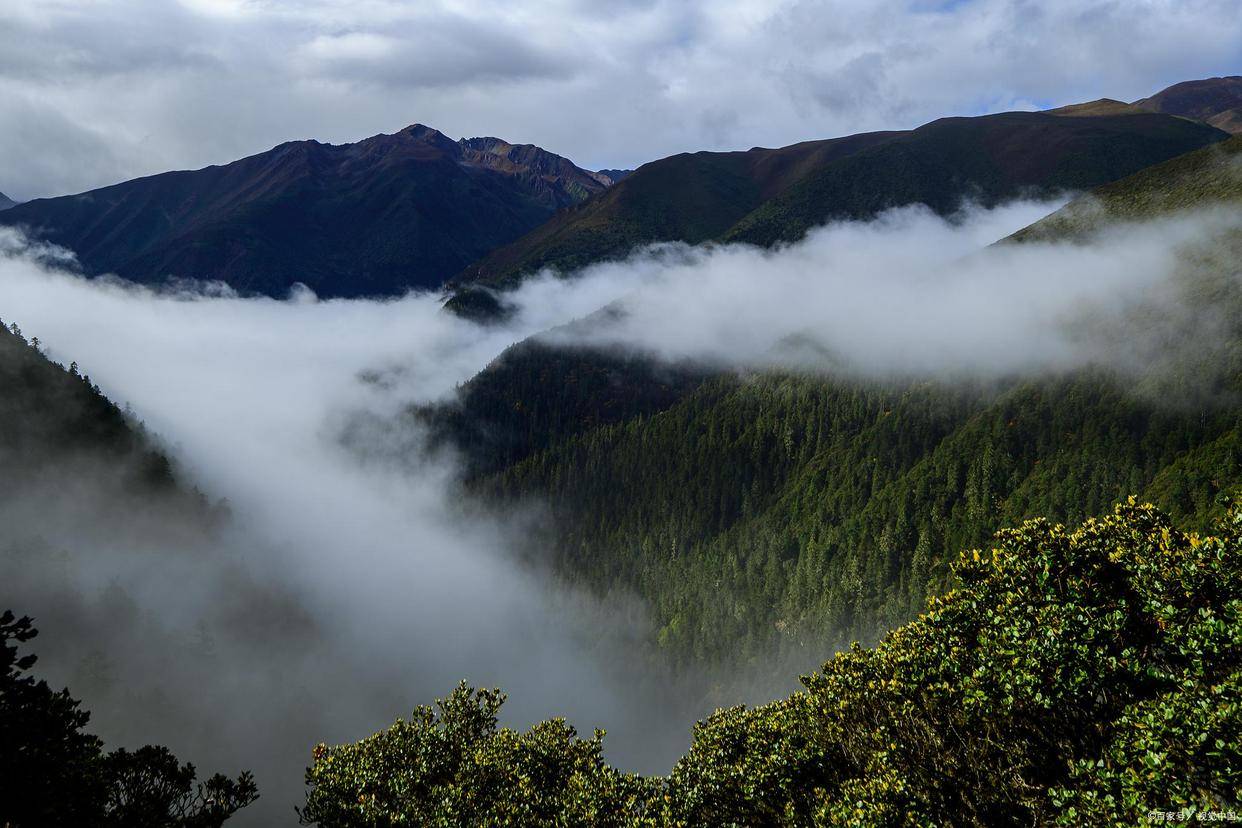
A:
<point x="427" y="136"/>
<point x="422" y="132"/>
<point x="376" y="217"/>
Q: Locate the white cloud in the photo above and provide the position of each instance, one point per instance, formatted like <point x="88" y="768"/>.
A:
<point x="405" y="593"/>
<point x="168" y="85"/>
<point x="345" y="590"/>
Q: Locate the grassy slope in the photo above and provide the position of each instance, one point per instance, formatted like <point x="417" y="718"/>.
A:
<point x="1207" y="177"/>
<point x="1216" y="101"/>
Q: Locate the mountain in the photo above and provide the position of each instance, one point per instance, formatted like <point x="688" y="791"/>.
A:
<point x="55" y="425"/>
<point x="1216" y="101"/>
<point x="6" y="202"/>
<point x="1103" y="106"/>
<point x="795" y="513"/>
<point x="615" y="175"/>
<point x="1206" y="177"/>
<point x="765" y="196"/>
<point x="375" y="217"/>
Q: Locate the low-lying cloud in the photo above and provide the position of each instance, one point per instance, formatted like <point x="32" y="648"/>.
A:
<point x="913" y="294"/>
<point x="345" y="589"/>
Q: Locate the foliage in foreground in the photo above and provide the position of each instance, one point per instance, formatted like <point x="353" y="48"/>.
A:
<point x="1072" y="678"/>
<point x="53" y="774"/>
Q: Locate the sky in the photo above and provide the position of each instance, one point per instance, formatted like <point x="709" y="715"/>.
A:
<point x="97" y="91"/>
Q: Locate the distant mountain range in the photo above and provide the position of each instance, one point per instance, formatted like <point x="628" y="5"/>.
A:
<point x="371" y="218"/>
<point x="418" y="210"/>
<point x="765" y="196"/>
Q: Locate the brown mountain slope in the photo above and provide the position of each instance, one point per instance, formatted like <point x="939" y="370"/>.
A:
<point x="1216" y="101"/>
<point x="371" y="218"/>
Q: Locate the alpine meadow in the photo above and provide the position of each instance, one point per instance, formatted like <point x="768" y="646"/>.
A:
<point x="646" y="414"/>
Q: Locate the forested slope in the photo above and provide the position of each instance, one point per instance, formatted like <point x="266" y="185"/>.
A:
<point x="74" y="465"/>
<point x="802" y="511"/>
<point x="54" y="423"/>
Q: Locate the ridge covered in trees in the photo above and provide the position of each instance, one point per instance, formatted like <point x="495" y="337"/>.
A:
<point x="53" y="773"/>
<point x="755" y="511"/>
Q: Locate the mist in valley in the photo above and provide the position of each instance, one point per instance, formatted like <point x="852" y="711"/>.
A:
<point x="345" y="582"/>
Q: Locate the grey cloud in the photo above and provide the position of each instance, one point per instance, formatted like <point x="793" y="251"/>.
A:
<point x="439" y="53"/>
<point x="43" y="151"/>
<point x="350" y="586"/>
<point x="205" y="81"/>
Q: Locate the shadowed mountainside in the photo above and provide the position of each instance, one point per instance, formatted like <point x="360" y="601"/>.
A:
<point x="797" y="512"/>
<point x="57" y="430"/>
<point x="1201" y="179"/>
<point x="371" y="218"/>
<point x="766" y="196"/>
<point x="1216" y="101"/>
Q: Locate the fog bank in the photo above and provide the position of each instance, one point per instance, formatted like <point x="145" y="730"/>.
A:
<point x="346" y="589"/>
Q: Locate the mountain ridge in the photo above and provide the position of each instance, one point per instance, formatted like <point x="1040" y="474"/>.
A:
<point x="1215" y="101"/>
<point x="766" y="196"/>
<point x="373" y="217"/>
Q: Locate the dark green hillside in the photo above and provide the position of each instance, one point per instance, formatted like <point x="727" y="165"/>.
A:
<point x="1091" y="677"/>
<point x="58" y="431"/>
<point x="1202" y="179"/>
<point x="535" y="393"/>
<point x="49" y="414"/>
<point x="799" y="512"/>
<point x="765" y="196"/>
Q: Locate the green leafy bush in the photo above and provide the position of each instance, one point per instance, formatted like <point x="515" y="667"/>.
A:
<point x="1070" y="678"/>
<point x="452" y="766"/>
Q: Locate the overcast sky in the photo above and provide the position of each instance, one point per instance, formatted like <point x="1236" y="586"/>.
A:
<point x="95" y="91"/>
